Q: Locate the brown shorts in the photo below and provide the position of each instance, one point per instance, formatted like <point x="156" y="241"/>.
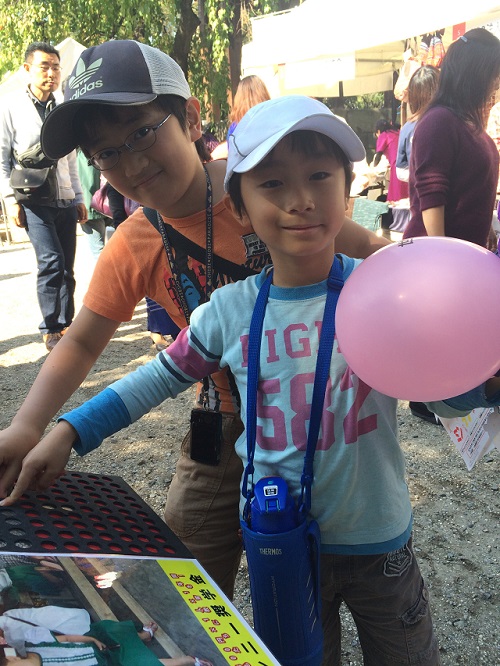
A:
<point x="203" y="507"/>
<point x="389" y="603"/>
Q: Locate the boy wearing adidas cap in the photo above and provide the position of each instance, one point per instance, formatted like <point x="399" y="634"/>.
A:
<point x="288" y="176"/>
<point x="129" y="107"/>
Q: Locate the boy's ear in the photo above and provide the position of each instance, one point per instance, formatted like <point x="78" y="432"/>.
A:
<point x="193" y="115"/>
<point x="348" y="191"/>
<point x="228" y="202"/>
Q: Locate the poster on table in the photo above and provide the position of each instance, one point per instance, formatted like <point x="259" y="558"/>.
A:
<point x="111" y="599"/>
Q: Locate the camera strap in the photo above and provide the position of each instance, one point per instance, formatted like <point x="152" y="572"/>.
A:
<point x="209" y="265"/>
<point x="335" y="283"/>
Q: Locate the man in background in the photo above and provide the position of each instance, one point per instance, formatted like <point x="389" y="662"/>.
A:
<point x="42" y="196"/>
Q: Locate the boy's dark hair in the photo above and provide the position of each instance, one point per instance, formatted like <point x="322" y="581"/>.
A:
<point x="89" y="116"/>
<point x="306" y="142"/>
<point x="3" y="658"/>
<point x="468" y="74"/>
<point x="44" y="47"/>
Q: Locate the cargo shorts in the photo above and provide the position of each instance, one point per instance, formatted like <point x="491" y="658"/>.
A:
<point x="389" y="603"/>
<point x="202" y="507"/>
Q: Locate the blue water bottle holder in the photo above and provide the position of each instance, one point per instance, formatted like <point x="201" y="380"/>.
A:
<point x="282" y="543"/>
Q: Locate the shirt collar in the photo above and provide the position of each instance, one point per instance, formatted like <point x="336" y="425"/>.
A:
<point x="49" y="104"/>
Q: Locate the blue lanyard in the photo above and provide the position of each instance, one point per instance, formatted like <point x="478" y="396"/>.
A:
<point x="335" y="283"/>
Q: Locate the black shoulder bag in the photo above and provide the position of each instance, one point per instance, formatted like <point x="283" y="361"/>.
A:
<point x="34" y="180"/>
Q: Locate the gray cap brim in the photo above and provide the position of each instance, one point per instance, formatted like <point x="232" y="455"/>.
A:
<point x="58" y="136"/>
<point x="343" y="137"/>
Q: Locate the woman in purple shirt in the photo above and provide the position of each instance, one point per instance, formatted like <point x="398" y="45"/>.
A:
<point x="454" y="163"/>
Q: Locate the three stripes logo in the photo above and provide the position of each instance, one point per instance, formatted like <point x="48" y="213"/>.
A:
<point x="78" y="82"/>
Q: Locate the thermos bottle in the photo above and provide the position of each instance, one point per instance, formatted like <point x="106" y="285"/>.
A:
<point x="283" y="563"/>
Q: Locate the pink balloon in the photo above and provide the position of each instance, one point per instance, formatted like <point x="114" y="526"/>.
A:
<point x="420" y="320"/>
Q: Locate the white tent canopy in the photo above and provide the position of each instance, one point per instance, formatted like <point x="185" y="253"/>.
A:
<point x="69" y="50"/>
<point x="311" y="48"/>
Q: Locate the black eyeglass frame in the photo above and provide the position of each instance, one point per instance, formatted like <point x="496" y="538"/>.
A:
<point x="128" y="144"/>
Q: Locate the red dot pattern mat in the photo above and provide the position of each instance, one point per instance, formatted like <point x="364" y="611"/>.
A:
<point x="87" y="513"/>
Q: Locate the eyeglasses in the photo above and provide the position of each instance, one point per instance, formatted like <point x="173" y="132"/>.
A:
<point x="137" y="141"/>
<point x="45" y="68"/>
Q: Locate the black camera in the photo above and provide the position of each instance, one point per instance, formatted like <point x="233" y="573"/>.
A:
<point x="206" y="436"/>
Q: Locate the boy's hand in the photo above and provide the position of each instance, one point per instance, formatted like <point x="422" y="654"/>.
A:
<point x="16" y="442"/>
<point x="45" y="463"/>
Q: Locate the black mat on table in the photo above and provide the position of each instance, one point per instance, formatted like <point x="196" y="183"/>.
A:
<point x="87" y="513"/>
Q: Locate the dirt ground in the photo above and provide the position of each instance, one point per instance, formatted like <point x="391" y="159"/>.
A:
<point x="456" y="511"/>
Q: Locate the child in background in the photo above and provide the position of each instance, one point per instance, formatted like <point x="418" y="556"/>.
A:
<point x="289" y="173"/>
<point x="387" y="144"/>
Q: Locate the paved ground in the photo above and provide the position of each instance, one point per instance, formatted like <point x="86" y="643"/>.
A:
<point x="456" y="512"/>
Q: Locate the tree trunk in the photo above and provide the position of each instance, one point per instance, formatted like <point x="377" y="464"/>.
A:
<point x="188" y="24"/>
<point x="235" y="46"/>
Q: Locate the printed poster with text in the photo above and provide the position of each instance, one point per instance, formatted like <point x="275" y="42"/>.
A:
<point x="112" y="598"/>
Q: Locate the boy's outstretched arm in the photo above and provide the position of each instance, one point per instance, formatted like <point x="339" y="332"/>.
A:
<point x="115" y="408"/>
<point x="356" y="241"/>
<point x="61" y="374"/>
<point x="83" y="428"/>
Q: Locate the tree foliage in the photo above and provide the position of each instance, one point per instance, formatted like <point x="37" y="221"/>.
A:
<point x="204" y="36"/>
<point x="369" y="101"/>
<point x="88" y="21"/>
<point x="215" y="59"/>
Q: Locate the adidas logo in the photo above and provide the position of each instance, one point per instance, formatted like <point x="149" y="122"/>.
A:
<point x="82" y="75"/>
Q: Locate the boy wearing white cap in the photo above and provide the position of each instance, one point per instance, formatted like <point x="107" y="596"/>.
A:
<point x="129" y="107"/>
<point x="288" y="176"/>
